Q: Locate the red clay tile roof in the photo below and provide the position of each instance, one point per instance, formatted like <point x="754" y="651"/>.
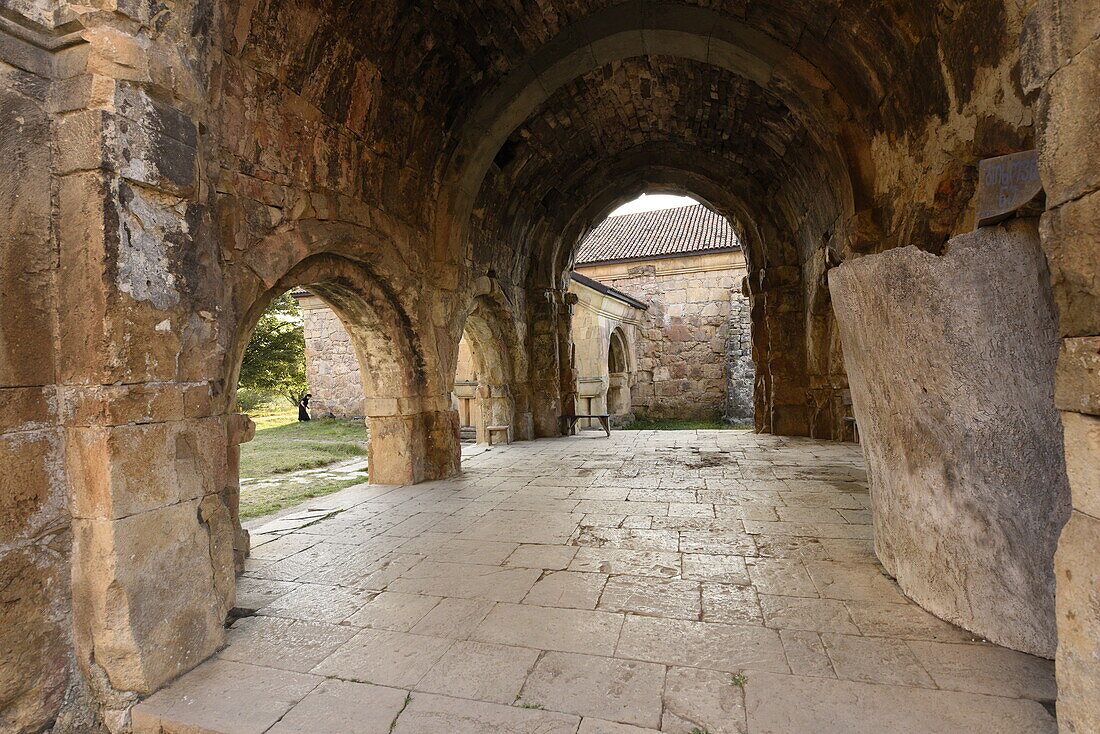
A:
<point x="656" y="234"/>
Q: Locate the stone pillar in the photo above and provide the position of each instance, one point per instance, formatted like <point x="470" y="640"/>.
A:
<point x="779" y="351"/>
<point x="495" y="404"/>
<point x="1060" y="60"/>
<point x="740" y="371"/>
<point x="142" y="290"/>
<point x="523" y="428"/>
<point x="567" y="358"/>
<point x="951" y="365"/>
<point x="412" y="439"/>
<point x="544" y="362"/>
<point x="239" y="429"/>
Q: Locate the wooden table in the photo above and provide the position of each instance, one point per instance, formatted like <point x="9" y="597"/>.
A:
<point x="569" y="423"/>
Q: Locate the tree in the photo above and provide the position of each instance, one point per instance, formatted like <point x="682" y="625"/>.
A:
<point x="275" y="358"/>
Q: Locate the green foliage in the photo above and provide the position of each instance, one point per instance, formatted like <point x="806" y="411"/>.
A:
<point x="275" y="359"/>
<point x="283" y="445"/>
<point x="740" y="679"/>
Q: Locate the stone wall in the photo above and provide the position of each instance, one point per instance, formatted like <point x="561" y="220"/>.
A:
<point x="740" y="371"/>
<point x="599" y="319"/>
<point x="332" y="368"/>
<point x="683" y="344"/>
<point x="680" y="363"/>
<point x="1061" y="64"/>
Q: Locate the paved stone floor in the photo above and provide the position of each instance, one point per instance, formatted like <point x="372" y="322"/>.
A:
<point x="689" y="581"/>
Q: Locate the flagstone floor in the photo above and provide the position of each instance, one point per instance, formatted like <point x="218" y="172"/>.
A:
<point x="696" y="582"/>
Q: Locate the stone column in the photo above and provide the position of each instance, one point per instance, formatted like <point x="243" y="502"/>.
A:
<point x="1060" y="59"/>
<point x="239" y="429"/>
<point x="153" y="537"/>
<point x="495" y="405"/>
<point x="567" y="358"/>
<point x="779" y="351"/>
<point x="523" y="428"/>
<point x="951" y="365"/>
<point x="412" y="439"/>
<point x="740" y="372"/>
<point x="544" y="362"/>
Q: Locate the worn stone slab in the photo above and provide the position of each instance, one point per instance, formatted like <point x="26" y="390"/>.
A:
<point x="875" y="660"/>
<point x="781" y="576"/>
<point x="804" y="613"/>
<point x="702" y="699"/>
<point x="856" y="581"/>
<point x="722" y="569"/>
<point x="384" y="658"/>
<point x="318" y="602"/>
<point x="623" y="561"/>
<point x="546" y="628"/>
<point x="782" y="704"/>
<point x="455" y="619"/>
<point x="731" y="604"/>
<point x="209" y="699"/>
<point x="550" y="557"/>
<point x="806" y="654"/>
<point x="427" y="712"/>
<point x="599" y="726"/>
<point x="480" y="671"/>
<point x="726" y="647"/>
<point x="951" y="370"/>
<point x="342" y="707"/>
<point x="652" y="596"/>
<point x="987" y="669"/>
<point x="570" y="589"/>
<point x="393" y="610"/>
<point x="626" y="691"/>
<point x="467" y="581"/>
<point x="289" y="644"/>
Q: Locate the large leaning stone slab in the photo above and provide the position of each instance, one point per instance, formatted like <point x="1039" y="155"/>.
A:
<point x="951" y="365"/>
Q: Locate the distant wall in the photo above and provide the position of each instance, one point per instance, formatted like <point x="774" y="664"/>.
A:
<point x="693" y="353"/>
<point x="332" y="369"/>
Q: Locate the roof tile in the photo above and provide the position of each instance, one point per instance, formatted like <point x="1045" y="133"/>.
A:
<point x="660" y="233"/>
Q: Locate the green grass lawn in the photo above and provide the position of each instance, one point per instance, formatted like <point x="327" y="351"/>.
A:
<point x="668" y="424"/>
<point x="283" y="445"/>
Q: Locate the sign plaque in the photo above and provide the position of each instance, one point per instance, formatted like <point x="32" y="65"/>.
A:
<point x="1005" y="184"/>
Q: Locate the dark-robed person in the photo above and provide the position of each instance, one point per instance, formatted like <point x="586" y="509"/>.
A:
<point x="303" y="407"/>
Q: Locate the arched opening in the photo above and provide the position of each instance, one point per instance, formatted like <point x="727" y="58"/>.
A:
<point x="485" y="383"/>
<point x="618" y="377"/>
<point x="389" y="371"/>
<point x="300" y="384"/>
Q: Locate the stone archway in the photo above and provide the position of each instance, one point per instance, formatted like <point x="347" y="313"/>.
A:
<point x="495" y="355"/>
<point x="618" y="375"/>
<point x="155" y="154"/>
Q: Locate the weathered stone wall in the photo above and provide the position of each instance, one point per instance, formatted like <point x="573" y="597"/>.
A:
<point x="951" y="364"/>
<point x="683" y="341"/>
<point x="598" y="318"/>
<point x="740" y="371"/>
<point x="36" y="659"/>
<point x="332" y="368"/>
<point x="1061" y="63"/>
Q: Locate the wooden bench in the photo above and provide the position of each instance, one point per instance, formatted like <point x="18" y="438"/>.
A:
<point x="569" y="423"/>
<point x="490" y="430"/>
